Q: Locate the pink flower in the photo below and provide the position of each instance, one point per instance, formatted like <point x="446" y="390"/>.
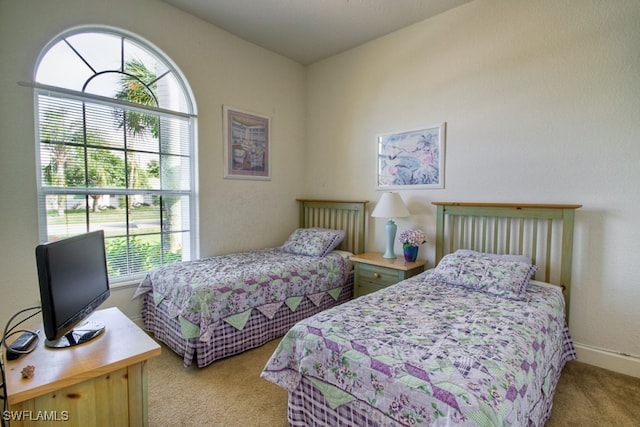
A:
<point x="412" y="237"/>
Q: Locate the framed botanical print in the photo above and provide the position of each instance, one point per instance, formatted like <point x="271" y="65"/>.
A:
<point x="412" y="159"/>
<point x="246" y="144"/>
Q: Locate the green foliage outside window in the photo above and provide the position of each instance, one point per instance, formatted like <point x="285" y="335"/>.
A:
<point x="142" y="255"/>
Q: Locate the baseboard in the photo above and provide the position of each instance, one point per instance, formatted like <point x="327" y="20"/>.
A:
<point x="608" y="360"/>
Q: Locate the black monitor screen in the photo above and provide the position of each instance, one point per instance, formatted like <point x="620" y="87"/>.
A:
<point x="73" y="281"/>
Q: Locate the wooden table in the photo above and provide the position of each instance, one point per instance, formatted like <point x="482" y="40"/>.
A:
<point x="100" y="382"/>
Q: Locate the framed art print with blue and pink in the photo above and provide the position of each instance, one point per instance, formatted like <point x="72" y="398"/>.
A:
<point x="412" y="159"/>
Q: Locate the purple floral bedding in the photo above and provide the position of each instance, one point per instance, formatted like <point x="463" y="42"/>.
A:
<point x="228" y="288"/>
<point x="430" y="353"/>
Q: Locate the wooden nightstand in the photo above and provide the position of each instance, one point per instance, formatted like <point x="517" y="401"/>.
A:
<point x="373" y="272"/>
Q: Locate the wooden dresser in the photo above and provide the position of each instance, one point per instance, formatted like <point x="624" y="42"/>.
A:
<point x="102" y="382"/>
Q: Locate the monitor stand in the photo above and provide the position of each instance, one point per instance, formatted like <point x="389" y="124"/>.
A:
<point x="82" y="333"/>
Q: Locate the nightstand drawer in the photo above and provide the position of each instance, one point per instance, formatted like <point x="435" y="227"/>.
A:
<point x="373" y="272"/>
<point x="375" y="275"/>
<point x="363" y="288"/>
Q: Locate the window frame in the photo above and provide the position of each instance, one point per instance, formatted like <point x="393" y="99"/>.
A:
<point x="189" y="116"/>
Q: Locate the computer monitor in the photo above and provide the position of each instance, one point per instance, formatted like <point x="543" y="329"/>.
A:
<point x="74" y="281"/>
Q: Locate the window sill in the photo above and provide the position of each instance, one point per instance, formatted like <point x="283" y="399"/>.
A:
<point x="131" y="283"/>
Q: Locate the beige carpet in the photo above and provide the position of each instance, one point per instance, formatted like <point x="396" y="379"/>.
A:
<point x="593" y="397"/>
<point x="226" y="393"/>
<point x="230" y="393"/>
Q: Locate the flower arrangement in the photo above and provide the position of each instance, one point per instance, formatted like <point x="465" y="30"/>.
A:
<point x="412" y="238"/>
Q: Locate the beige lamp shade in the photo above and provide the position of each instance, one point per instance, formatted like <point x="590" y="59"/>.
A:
<point x="390" y="205"/>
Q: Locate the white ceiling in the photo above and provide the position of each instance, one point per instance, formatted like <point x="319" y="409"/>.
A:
<point x="307" y="31"/>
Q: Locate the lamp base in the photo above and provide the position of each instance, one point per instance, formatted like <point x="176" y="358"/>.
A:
<point x="390" y="229"/>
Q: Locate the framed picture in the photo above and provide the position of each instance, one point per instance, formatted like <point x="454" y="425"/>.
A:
<point x="412" y="159"/>
<point x="246" y="144"/>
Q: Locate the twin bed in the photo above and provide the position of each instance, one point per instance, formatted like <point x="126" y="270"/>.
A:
<point x="480" y="339"/>
<point x="216" y="307"/>
<point x="474" y="341"/>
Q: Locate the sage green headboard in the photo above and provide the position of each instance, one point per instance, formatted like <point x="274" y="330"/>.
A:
<point x="543" y="232"/>
<point x="337" y="214"/>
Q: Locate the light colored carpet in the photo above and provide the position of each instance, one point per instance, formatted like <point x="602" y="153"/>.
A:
<point x="588" y="396"/>
<point x="230" y="393"/>
<point x="227" y="393"/>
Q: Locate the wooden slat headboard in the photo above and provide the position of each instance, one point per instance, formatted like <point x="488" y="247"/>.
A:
<point x="337" y="214"/>
<point x="543" y="232"/>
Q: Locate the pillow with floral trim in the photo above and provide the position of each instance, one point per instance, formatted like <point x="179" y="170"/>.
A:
<point x="508" y="257"/>
<point x="501" y="277"/>
<point x="316" y="242"/>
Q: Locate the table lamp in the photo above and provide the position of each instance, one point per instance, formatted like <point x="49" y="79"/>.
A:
<point x="390" y="206"/>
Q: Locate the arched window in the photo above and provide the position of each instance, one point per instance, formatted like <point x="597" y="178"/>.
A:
<point x="115" y="124"/>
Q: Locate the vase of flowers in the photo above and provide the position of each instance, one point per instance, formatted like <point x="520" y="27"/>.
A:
<point x="411" y="241"/>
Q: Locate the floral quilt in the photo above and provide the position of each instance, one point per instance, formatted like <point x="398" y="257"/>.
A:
<point x="429" y="353"/>
<point x="204" y="292"/>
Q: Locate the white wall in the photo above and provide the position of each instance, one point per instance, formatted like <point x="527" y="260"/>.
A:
<point x="540" y="98"/>
<point x="542" y="104"/>
<point x="221" y="69"/>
